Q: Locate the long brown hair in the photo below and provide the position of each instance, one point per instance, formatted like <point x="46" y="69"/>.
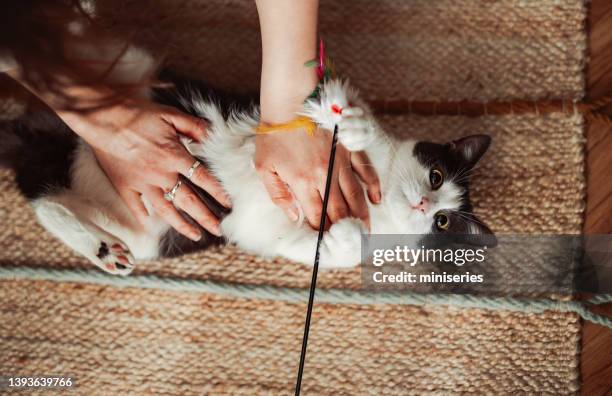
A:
<point x="35" y="33"/>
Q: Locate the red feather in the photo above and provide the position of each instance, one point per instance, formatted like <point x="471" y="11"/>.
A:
<point x="321" y="68"/>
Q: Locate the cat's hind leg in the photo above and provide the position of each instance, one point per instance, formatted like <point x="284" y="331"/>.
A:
<point x="97" y="245"/>
<point x="341" y="247"/>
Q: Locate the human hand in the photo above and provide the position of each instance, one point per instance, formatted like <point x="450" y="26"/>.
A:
<point x="293" y="166"/>
<point x="137" y="145"/>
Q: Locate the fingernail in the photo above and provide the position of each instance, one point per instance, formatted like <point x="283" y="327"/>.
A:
<point x="216" y="229"/>
<point x="293" y="215"/>
<point x="374" y="197"/>
<point x="228" y="201"/>
<point x="195" y="236"/>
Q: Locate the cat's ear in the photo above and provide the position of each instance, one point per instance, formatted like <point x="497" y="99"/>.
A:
<point x="471" y="148"/>
<point x="478" y="233"/>
<point x="469" y="229"/>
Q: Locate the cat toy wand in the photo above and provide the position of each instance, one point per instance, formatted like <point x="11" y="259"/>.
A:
<point x="325" y="70"/>
<point x="315" y="269"/>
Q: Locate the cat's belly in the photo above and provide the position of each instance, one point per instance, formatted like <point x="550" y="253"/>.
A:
<point x="255" y="223"/>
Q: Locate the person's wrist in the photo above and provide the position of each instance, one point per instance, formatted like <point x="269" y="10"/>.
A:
<point x="283" y="98"/>
<point x="97" y="127"/>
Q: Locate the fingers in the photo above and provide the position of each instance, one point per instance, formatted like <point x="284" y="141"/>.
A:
<point x="170" y="214"/>
<point x="202" y="178"/>
<point x="354" y="195"/>
<point x="362" y="166"/>
<point x="193" y="127"/>
<point x="311" y="203"/>
<point x="337" y="207"/>
<point x="191" y="204"/>
<point x="280" y="194"/>
<point x="134" y="203"/>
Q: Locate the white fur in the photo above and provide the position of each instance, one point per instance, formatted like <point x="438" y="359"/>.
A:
<point x="82" y="236"/>
<point x="92" y="212"/>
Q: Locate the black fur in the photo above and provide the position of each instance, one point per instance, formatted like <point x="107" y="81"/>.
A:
<point x="40" y="148"/>
<point x="456" y="160"/>
<point x="182" y="87"/>
<point x="173" y="243"/>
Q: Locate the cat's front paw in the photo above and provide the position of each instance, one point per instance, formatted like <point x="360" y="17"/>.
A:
<point x="342" y="244"/>
<point x="114" y="257"/>
<point x="355" y="131"/>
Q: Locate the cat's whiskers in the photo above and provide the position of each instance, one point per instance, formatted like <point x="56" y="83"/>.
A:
<point x="462" y="175"/>
<point x="403" y="173"/>
<point x="469" y="217"/>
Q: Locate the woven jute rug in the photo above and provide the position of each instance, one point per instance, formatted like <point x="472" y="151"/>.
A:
<point x="137" y="341"/>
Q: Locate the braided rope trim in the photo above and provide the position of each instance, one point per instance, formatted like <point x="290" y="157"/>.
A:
<point x="329" y="296"/>
<point x="591" y="110"/>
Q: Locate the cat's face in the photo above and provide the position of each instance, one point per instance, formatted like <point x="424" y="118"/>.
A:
<point x="429" y="188"/>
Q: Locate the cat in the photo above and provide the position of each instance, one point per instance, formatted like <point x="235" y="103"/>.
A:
<point x="424" y="185"/>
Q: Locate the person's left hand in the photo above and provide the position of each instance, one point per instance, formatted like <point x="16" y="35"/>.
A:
<point x="137" y="145"/>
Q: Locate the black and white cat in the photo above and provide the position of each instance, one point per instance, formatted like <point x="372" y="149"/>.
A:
<point x="424" y="186"/>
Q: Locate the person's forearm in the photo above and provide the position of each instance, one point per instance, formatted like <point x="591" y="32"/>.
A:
<point x="113" y="71"/>
<point x="289" y="37"/>
<point x="82" y="97"/>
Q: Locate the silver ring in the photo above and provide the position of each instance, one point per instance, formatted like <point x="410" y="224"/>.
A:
<point x="169" y="196"/>
<point x="193" y="168"/>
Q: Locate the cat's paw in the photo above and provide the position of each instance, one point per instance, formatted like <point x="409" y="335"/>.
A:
<point x="114" y="257"/>
<point x="326" y="111"/>
<point x="355" y="131"/>
<point x="342" y="244"/>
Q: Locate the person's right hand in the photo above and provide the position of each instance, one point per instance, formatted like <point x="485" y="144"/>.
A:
<point x="293" y="167"/>
<point x="137" y="145"/>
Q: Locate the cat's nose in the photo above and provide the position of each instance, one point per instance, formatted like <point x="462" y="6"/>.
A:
<point x="423" y="206"/>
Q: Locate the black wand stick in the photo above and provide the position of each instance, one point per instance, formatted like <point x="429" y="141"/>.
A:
<point x="315" y="269"/>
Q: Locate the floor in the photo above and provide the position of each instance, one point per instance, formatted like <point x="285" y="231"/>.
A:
<point x="596" y="354"/>
<point x="596" y="357"/>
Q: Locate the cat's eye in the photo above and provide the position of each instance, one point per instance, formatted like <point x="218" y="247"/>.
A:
<point x="442" y="221"/>
<point x="436" y="178"/>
